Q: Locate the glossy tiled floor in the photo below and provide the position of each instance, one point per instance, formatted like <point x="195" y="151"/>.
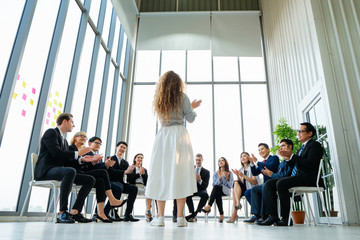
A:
<point x="199" y="230"/>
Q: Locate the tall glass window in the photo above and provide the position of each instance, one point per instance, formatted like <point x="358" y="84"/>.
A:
<point x="24" y="102"/>
<point x="10" y="14"/>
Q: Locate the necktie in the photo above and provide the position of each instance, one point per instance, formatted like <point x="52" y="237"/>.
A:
<point x="293" y="173"/>
<point x="197" y="170"/>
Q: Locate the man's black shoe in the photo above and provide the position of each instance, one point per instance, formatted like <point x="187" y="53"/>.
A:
<point x="283" y="222"/>
<point x="64" y="218"/>
<point x="115" y="219"/>
<point x="130" y="218"/>
<point x="252" y="220"/>
<point x="80" y="218"/>
<point x="262" y="219"/>
<point x="269" y="221"/>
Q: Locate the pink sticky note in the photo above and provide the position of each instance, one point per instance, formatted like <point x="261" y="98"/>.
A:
<point x="23" y="112"/>
<point x="33" y="90"/>
<point x="48" y="114"/>
<point x="54" y="110"/>
<point x="24" y="96"/>
<point x="18" y="77"/>
<point x="47" y="121"/>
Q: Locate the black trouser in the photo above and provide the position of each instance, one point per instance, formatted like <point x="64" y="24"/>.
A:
<point x="117" y="190"/>
<point x="68" y="176"/>
<point x="216" y="194"/>
<point x="204" y="196"/>
<point x="282" y="187"/>
<point x="131" y="190"/>
<point x="102" y="183"/>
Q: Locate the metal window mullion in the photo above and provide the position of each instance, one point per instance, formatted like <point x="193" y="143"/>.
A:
<point x="114" y="92"/>
<point x="241" y="107"/>
<point x="76" y="59"/>
<point x="43" y="99"/>
<point x="93" y="66"/>
<point x="120" y="134"/>
<point x="13" y="66"/>
<point x="103" y="93"/>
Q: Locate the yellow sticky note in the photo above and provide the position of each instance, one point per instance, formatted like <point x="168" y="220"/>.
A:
<point x="31" y="102"/>
<point x="53" y="124"/>
<point x="60" y="104"/>
<point x="59" y="112"/>
<point x="55" y="101"/>
<point x="57" y="94"/>
<point x="24" y="84"/>
<point x="55" y="116"/>
<point x="50" y="95"/>
<point x="14" y="95"/>
<point x="50" y="104"/>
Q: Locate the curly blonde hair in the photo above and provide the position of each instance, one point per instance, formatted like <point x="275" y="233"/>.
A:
<point x="78" y="134"/>
<point x="168" y="95"/>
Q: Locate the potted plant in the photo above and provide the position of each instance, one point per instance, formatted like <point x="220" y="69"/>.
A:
<point x="298" y="212"/>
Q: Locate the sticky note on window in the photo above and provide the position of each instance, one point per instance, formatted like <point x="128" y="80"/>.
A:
<point x="24" y="84"/>
<point x="55" y="116"/>
<point x="60" y="104"/>
<point x="59" y="112"/>
<point x="55" y="101"/>
<point x="33" y="90"/>
<point x="23" y="113"/>
<point x="50" y="95"/>
<point x="14" y="95"/>
<point x="57" y="94"/>
<point x="24" y="96"/>
<point x="31" y="102"/>
<point x="18" y="77"/>
<point x="47" y="121"/>
<point x="49" y="104"/>
<point x="48" y="114"/>
<point x="54" y="110"/>
<point x="53" y="124"/>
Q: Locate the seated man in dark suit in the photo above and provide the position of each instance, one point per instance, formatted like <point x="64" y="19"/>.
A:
<point x="270" y="162"/>
<point x="202" y="178"/>
<point x="54" y="155"/>
<point x="118" y="169"/>
<point x="306" y="164"/>
<point x="285" y="170"/>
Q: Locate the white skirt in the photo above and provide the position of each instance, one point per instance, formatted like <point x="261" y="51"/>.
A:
<point x="171" y="173"/>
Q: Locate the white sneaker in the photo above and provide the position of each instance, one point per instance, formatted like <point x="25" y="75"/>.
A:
<point x="181" y="222"/>
<point x="158" y="222"/>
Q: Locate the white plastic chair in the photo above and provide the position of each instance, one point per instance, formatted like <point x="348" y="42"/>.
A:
<point x="305" y="190"/>
<point x="53" y="184"/>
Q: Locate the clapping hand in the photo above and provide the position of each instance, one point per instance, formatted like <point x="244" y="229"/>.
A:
<point x="196" y="103"/>
<point x="267" y="172"/>
<point x="253" y="159"/>
<point x="109" y="162"/>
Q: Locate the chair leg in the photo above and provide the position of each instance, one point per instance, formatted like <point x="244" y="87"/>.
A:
<point x="291" y="208"/>
<point x="56" y="201"/>
<point x="326" y="209"/>
<point x="26" y="202"/>
<point x="246" y="209"/>
<point x="307" y="209"/>
<point x="52" y="203"/>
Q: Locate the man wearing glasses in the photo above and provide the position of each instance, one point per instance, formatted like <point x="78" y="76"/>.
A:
<point x="305" y="165"/>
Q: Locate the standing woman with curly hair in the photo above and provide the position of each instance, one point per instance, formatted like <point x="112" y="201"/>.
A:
<point x="171" y="173"/>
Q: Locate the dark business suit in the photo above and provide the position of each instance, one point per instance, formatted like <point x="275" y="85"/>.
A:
<point x="54" y="155"/>
<point x="307" y="167"/>
<point x="116" y="174"/>
<point x="202" y="193"/>
<point x="254" y="195"/>
<point x="259" y="207"/>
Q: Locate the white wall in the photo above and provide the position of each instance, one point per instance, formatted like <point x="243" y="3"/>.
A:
<point x="313" y="45"/>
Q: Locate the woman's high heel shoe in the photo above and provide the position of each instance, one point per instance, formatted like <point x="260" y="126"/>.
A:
<point x="206" y="211"/>
<point x="238" y="207"/>
<point x="122" y="204"/>
<point x="232" y="221"/>
<point x="100" y="219"/>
